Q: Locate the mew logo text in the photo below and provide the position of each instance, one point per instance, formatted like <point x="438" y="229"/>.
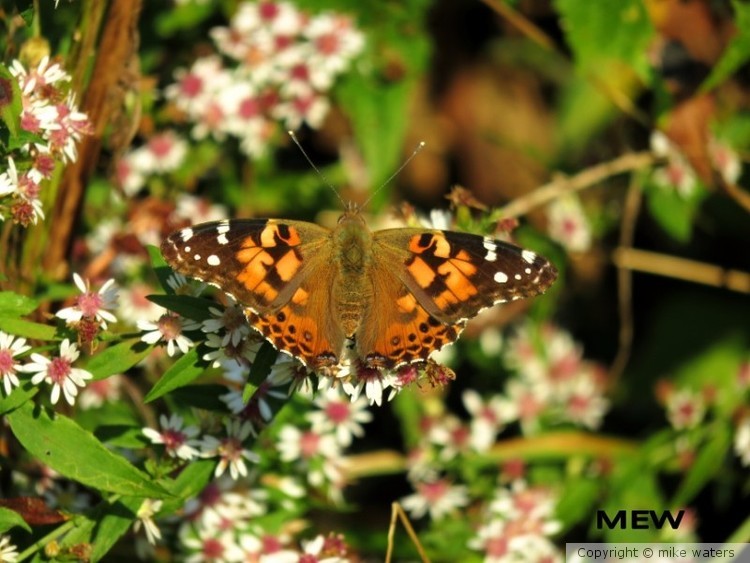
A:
<point x="638" y="519"/>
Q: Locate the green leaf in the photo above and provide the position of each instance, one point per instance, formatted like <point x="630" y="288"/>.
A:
<point x="103" y="526"/>
<point x="183" y="17"/>
<point x="118" y="358"/>
<point x="607" y="33"/>
<point x="27" y="329"/>
<point x="577" y="501"/>
<point x="26" y="14"/>
<point x="737" y="53"/>
<point x="75" y="453"/>
<point x="18" y="397"/>
<point x="161" y="269"/>
<point x="264" y="360"/>
<point x="182" y="372"/>
<point x="707" y="465"/>
<point x="191" y="481"/>
<point x="188" y="306"/>
<point x="675" y="213"/>
<point x="10" y="102"/>
<point x="376" y="113"/>
<point x="121" y="436"/>
<point x="10" y="519"/>
<point x="24" y="138"/>
<point x="609" y="39"/>
<point x="204" y="397"/>
<point x="11" y="304"/>
<point x="632" y="485"/>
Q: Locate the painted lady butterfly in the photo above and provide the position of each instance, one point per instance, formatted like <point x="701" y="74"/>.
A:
<point x="387" y="298"/>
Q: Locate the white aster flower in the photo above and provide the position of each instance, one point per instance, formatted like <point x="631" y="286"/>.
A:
<point x="59" y="372"/>
<point x="145" y="515"/>
<point x="169" y="328"/>
<point x="8" y="551"/>
<point x="339" y="415"/>
<point x="437" y="498"/>
<point x="178" y="441"/>
<point x="742" y="441"/>
<point x="10" y="347"/>
<point x="9" y="179"/>
<point x="230" y="450"/>
<point x="92" y="305"/>
<point x="488" y="417"/>
<point x="231" y="321"/>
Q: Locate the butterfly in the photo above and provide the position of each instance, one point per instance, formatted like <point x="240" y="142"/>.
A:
<point x="328" y="297"/>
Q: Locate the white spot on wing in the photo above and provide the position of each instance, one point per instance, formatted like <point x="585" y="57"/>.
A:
<point x="501" y="277"/>
<point x="491" y="247"/>
<point x="518" y="277"/>
<point x="187" y="249"/>
<point x="186" y="234"/>
<point x="223" y="228"/>
<point x="222" y="238"/>
<point x="529" y="256"/>
<point x="197" y="257"/>
<point x="528" y="270"/>
<point x="213" y="260"/>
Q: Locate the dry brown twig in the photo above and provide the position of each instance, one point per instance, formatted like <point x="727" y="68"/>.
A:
<point x="568" y="184"/>
<point x="681" y="268"/>
<point x="740" y="196"/>
<point x="522" y="24"/>
<point x="397" y="513"/>
<point x="632" y="207"/>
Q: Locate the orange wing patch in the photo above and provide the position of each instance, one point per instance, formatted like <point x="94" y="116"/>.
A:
<point x="413" y="337"/>
<point x="269" y="261"/>
<point x="392" y="336"/>
<point x="297" y="334"/>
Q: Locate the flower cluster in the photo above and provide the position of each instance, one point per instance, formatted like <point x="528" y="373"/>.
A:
<point x="164" y="152"/>
<point x="51" y="116"/>
<point x="181" y="442"/>
<point x="679" y="175"/>
<point x="89" y="314"/>
<point x="225" y="525"/>
<point x="554" y="383"/>
<point x="284" y="61"/>
<point x="518" y="526"/>
<point x="57" y="371"/>
<point x="227" y="519"/>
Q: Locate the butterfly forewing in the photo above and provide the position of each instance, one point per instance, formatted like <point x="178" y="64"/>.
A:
<point x="260" y="262"/>
<point x="455" y="275"/>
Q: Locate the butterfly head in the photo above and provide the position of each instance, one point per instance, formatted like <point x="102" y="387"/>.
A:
<point x="351" y="208"/>
<point x="352" y="215"/>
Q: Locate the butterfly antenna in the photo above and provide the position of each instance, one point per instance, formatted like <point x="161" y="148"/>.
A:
<point x="414" y="153"/>
<point x="312" y="164"/>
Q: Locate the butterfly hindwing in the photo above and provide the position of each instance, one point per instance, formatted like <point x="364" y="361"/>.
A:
<point x="304" y="327"/>
<point x="402" y="333"/>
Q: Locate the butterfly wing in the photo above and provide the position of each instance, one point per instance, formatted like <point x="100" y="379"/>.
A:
<point x="403" y="331"/>
<point x="455" y="275"/>
<point x="440" y="279"/>
<point x="267" y="265"/>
